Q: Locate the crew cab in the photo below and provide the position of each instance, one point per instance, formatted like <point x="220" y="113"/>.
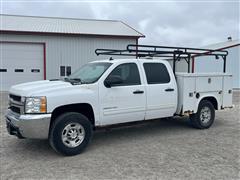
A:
<point x="106" y="92"/>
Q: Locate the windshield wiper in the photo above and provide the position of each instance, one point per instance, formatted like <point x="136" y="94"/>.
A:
<point x="54" y="79"/>
<point x="73" y="80"/>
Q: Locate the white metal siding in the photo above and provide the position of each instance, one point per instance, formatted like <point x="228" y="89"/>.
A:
<point x="71" y="51"/>
<point x="209" y="64"/>
<point x="23" y="58"/>
<point x="181" y="66"/>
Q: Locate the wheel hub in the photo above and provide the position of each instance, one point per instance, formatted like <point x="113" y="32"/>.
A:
<point x="205" y="115"/>
<point x="73" y="135"/>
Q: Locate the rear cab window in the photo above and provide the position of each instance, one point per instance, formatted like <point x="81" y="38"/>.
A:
<point x="156" y="73"/>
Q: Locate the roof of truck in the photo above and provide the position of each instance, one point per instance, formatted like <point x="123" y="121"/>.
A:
<point x="129" y="60"/>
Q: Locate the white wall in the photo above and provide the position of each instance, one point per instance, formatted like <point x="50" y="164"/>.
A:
<point x="71" y="51"/>
<point x="181" y="66"/>
<point x="210" y="64"/>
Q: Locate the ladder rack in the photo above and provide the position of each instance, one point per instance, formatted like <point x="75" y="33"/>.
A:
<point x="167" y="52"/>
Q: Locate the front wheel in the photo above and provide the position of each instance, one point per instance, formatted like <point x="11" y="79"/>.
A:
<point x="204" y="117"/>
<point x="70" y="133"/>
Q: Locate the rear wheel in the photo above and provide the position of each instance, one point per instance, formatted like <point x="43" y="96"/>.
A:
<point x="204" y="117"/>
<point x="70" y="133"/>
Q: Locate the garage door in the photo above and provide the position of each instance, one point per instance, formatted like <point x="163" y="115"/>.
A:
<point x="20" y="62"/>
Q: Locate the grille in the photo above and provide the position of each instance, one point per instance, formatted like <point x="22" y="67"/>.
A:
<point x="15" y="98"/>
<point x="15" y="109"/>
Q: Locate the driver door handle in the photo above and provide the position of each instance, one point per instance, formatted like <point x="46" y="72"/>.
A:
<point x="138" y="92"/>
<point x="169" y="89"/>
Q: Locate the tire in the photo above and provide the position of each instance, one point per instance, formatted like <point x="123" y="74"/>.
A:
<point x="70" y="133"/>
<point x="204" y="117"/>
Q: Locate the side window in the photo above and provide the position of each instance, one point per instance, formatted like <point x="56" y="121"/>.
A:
<point x="156" y="73"/>
<point x="128" y="73"/>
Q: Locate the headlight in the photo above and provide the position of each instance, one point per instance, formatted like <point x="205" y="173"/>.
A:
<point x="36" y="105"/>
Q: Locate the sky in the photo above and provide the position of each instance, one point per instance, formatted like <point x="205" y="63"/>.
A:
<point x="171" y="23"/>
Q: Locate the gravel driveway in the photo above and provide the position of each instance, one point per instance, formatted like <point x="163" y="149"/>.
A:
<point x="162" y="149"/>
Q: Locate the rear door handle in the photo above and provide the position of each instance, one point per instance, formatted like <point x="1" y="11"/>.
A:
<point x="138" y="92"/>
<point x="169" y="89"/>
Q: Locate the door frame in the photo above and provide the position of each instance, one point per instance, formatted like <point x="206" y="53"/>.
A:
<point x="101" y="85"/>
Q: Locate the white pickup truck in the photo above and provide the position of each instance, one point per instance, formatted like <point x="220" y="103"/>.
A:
<point x="108" y="92"/>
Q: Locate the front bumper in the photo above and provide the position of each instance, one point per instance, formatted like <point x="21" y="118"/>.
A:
<point x="28" y="126"/>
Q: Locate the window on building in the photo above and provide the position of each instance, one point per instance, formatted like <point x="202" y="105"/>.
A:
<point x="68" y="70"/>
<point x="35" y="70"/>
<point x="62" y="71"/>
<point x="19" y="70"/>
<point x="156" y="73"/>
<point x="3" y="70"/>
<point x="65" y="70"/>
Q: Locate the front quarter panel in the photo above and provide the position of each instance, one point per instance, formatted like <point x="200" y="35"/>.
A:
<point x="74" y="95"/>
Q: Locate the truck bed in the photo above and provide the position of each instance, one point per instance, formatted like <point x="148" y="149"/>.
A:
<point x="193" y="87"/>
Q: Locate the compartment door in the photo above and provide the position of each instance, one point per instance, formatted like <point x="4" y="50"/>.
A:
<point x="227" y="91"/>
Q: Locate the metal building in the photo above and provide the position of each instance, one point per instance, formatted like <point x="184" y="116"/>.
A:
<point x="36" y="48"/>
<point x="210" y="64"/>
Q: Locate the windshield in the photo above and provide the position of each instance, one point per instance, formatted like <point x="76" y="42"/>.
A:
<point x="91" y="72"/>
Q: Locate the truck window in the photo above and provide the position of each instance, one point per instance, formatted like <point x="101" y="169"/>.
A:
<point x="156" y="73"/>
<point x="91" y="72"/>
<point x="129" y="74"/>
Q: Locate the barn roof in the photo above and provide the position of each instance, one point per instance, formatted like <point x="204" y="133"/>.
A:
<point x="224" y="45"/>
<point x="33" y="24"/>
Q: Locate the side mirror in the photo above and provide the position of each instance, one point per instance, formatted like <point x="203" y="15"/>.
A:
<point x="113" y="81"/>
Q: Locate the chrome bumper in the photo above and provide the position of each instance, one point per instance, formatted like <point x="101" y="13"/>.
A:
<point x="28" y="126"/>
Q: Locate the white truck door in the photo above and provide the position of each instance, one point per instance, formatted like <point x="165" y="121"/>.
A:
<point x="124" y="101"/>
<point x="161" y="90"/>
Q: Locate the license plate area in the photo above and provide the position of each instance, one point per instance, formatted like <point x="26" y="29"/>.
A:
<point x="12" y="130"/>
